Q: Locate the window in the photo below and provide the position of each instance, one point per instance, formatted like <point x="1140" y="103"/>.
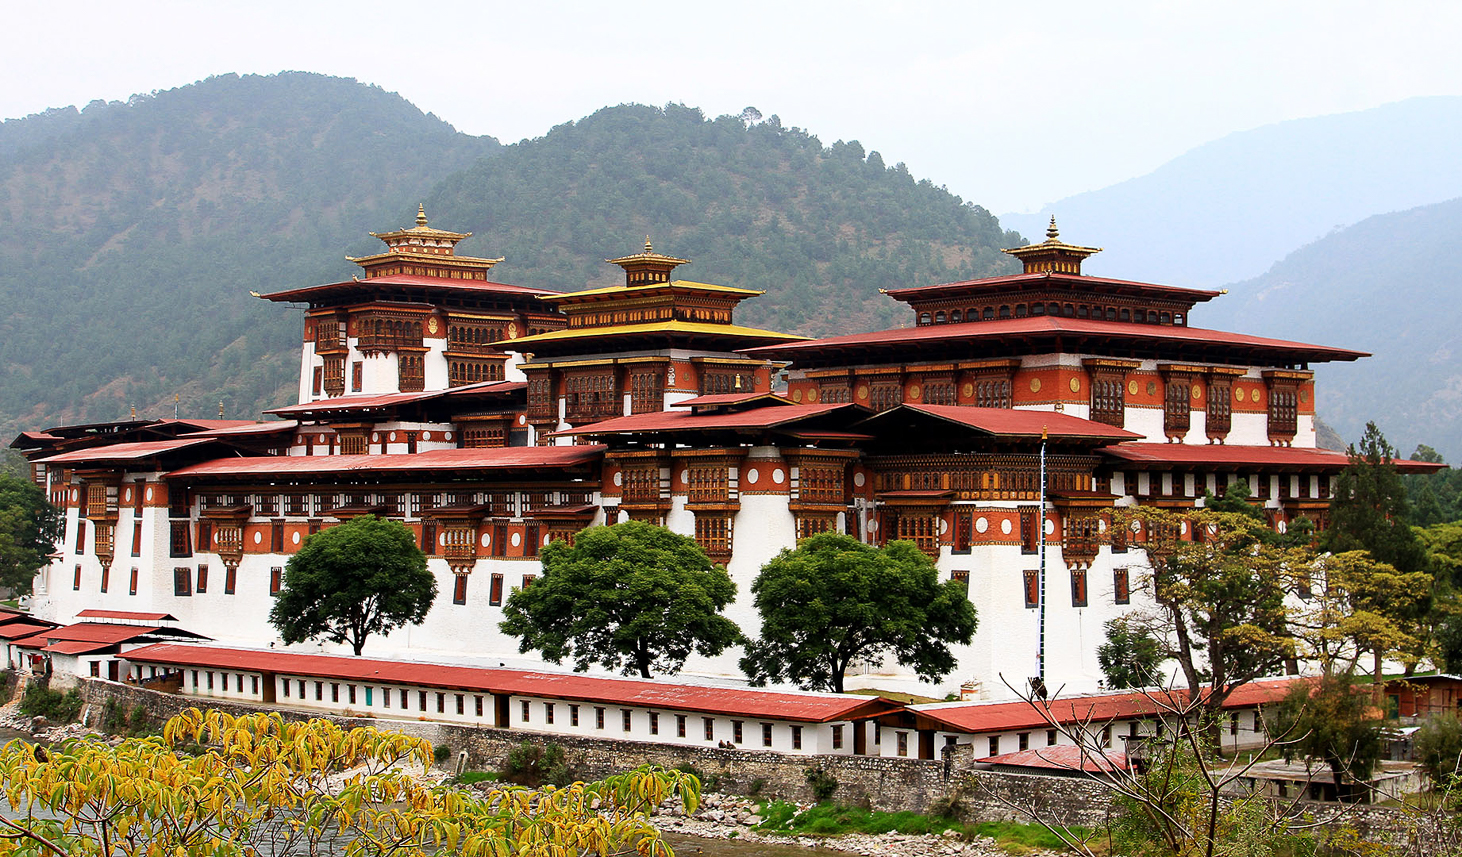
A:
<point x="1029" y="534"/>
<point x="877" y="733"/>
<point x="385" y="697"/>
<point x="1107" y="735"/>
<point x="796" y="737"/>
<point x="1050" y="737"/>
<point x="459" y="589"/>
<point x="1176" y="408"/>
<point x="495" y="592"/>
<point x="1024" y="742"/>
<point x="766" y="734"/>
<point x="461" y="704"/>
<point x="178" y="545"/>
<point x="81" y="536"/>
<point x="525" y="706"/>
<point x="96" y="669"/>
<point x="441" y="703"/>
<point x="573" y="715"/>
<point x="626" y="719"/>
<point x="76" y="578"/>
<point x="1121" y="589"/>
<point x="680" y="725"/>
<point x="903" y="743"/>
<point x="106" y="574"/>
<point x="1078" y="587"/>
<point x="1218" y="418"/>
<point x="477" y="707"/>
<point x="276" y="537"/>
<point x="132" y="582"/>
<point x="182" y="580"/>
<point x="710" y="725"/>
<point x="736" y="731"/>
<point x="276" y="576"/>
<point x="1032" y="588"/>
<point x="230" y="579"/>
<point x="350" y="693"/>
<point x="995" y="746"/>
<point x="137" y="538"/>
<point x="528" y="580"/>
<point x="837" y="737"/>
<point x="1108" y="399"/>
<point x="209" y="674"/>
<point x="319" y="690"/>
<point x="202" y="579"/>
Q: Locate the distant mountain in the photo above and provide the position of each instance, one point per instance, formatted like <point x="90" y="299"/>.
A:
<point x="133" y="232"/>
<point x="752" y="204"/>
<point x="1228" y="209"/>
<point x="1390" y="285"/>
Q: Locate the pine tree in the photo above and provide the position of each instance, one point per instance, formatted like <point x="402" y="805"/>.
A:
<point x="1370" y="511"/>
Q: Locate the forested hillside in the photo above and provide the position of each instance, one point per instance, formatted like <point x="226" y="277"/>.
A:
<point x="751" y="203"/>
<point x="134" y="231"/>
<point x="1388" y="285"/>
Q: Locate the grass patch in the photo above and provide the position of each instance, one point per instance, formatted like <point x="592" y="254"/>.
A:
<point x="830" y="819"/>
<point x="467" y="778"/>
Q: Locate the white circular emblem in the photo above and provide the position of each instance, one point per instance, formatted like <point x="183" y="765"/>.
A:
<point x="1136" y="526"/>
<point x="943" y="526"/>
<point x="547" y="539"/>
<point x="127" y="495"/>
<point x="447" y="436"/>
<point x="778" y="475"/>
<point x="1282" y="527"/>
<point x="393" y="435"/>
<point x="685" y="477"/>
<point x="1005" y="526"/>
<point x="376" y="437"/>
<point x="1183" y="528"/>
<point x="872" y="525"/>
<point x="296" y="538"/>
<point x="522" y="419"/>
<point x="1101" y="525"/>
<point x="517" y="539"/>
<point x="258" y="537"/>
<point x="752" y="476"/>
<point x="442" y="539"/>
<point x="859" y="479"/>
<point x="426" y="435"/>
<point x="1050" y="527"/>
<point x="981" y="524"/>
<point x="148" y="492"/>
<point x="618" y="479"/>
<point x="486" y="539"/>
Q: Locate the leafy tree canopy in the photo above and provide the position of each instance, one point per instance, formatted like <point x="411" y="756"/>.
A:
<point x="1334" y="721"/>
<point x="293" y="789"/>
<point x="1370" y="511"/>
<point x="832" y="599"/>
<point x="365" y="576"/>
<point x="631" y="597"/>
<point x="1131" y="656"/>
<point x="29" y="527"/>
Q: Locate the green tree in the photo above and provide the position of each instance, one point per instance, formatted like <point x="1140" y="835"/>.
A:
<point x="1332" y="720"/>
<point x="1130" y="657"/>
<point x="1370" y="511"/>
<point x="631" y="597"/>
<point x="1439" y="749"/>
<point x="29" y="527"/>
<point x="363" y="577"/>
<point x="1219" y="599"/>
<point x="833" y="599"/>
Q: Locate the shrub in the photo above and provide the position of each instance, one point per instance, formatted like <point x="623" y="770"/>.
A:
<point x="55" y="706"/>
<point x="440" y="753"/>
<point x="821" y="782"/>
<point x="1439" y="748"/>
<point x="756" y="787"/>
<point x="532" y="765"/>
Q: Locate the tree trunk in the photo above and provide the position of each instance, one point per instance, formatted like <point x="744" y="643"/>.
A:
<point x="357" y="643"/>
<point x="642" y="660"/>
<point x="1378" y="684"/>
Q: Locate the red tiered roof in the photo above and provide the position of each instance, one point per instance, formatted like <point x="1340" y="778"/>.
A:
<point x="499" y="458"/>
<point x="1224" y="455"/>
<point x="410" y="280"/>
<point x="1007" y="422"/>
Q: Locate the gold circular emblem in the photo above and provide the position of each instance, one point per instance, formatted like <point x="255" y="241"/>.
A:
<point x="1035" y="385"/>
<point x="862" y="392"/>
<point x="1076" y="385"/>
<point x="969" y="390"/>
<point x="796" y="395"/>
<point x="431" y="325"/>
<point x="1151" y="388"/>
<point x="812" y="395"/>
<point x="1196" y="392"/>
<point x="1238" y="394"/>
<point x="1304" y="395"/>
<point x="914" y="391"/>
<point x="1132" y="388"/>
<point x="512" y="330"/>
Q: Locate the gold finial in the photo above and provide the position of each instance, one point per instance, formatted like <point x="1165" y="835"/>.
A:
<point x="134" y="412"/>
<point x="421" y="214"/>
<point x="648" y="248"/>
<point x="220" y="408"/>
<point x="1051" y="231"/>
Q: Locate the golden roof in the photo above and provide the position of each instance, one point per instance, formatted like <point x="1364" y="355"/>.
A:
<point x="687" y="327"/>
<point x="648" y="255"/>
<point x="1052" y="244"/>
<point x="421" y="230"/>
<point x="681" y="285"/>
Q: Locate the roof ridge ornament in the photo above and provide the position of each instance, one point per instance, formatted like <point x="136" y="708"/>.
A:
<point x="421" y="214"/>
<point x="1052" y="233"/>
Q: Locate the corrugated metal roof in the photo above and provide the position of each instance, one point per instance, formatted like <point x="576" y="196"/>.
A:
<point x="94" y="613"/>
<point x="730" y="399"/>
<point x="1214" y="454"/>
<point x="710" y="699"/>
<point x="1008" y="422"/>
<point x="124" y="451"/>
<point x="978" y="717"/>
<point x="21" y="630"/>
<point x="1046" y="325"/>
<point x="1062" y="757"/>
<point x="499" y="458"/>
<point x="257" y="428"/>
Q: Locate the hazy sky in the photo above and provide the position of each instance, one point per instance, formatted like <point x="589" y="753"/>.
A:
<point x="1009" y="104"/>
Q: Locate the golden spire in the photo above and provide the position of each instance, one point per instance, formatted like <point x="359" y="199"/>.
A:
<point x="421" y="214"/>
<point x="134" y="412"/>
<point x="648" y="248"/>
<point x="1051" y="232"/>
<point x="220" y="408"/>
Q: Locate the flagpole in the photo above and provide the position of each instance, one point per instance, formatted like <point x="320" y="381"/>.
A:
<point x="1041" y="575"/>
